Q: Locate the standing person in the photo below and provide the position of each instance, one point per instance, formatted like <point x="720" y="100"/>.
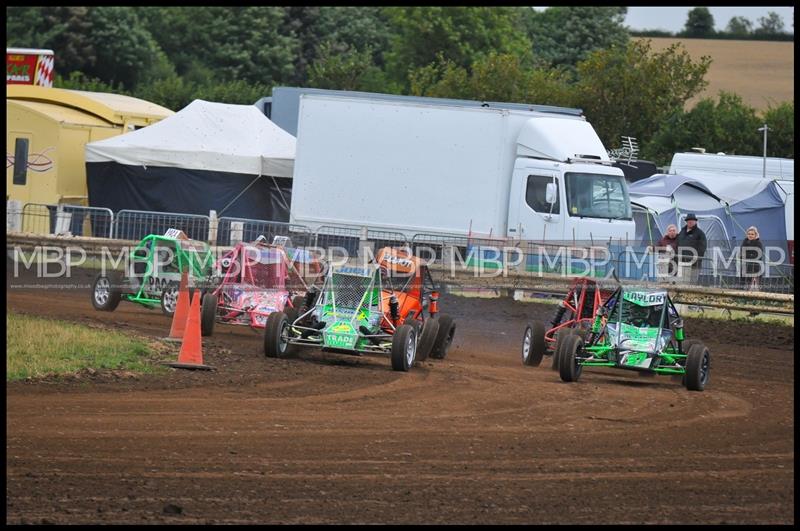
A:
<point x="692" y="245"/>
<point x="752" y="254"/>
<point x="669" y="244"/>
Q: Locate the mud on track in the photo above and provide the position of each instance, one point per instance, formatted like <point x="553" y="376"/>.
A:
<point x="474" y="438"/>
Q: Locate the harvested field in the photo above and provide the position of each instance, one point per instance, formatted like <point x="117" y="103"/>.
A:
<point x="761" y="72"/>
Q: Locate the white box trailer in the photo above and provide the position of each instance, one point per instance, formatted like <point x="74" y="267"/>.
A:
<point x="420" y="168"/>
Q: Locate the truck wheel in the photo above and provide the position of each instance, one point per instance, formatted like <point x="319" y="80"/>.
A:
<point x="533" y="344"/>
<point x="208" y="314"/>
<point x="276" y="342"/>
<point x="404" y="347"/>
<point x="568" y="366"/>
<point x="698" y="363"/>
<point x="430" y="329"/>
<point x="106" y="292"/>
<point x="561" y="336"/>
<point x="444" y="338"/>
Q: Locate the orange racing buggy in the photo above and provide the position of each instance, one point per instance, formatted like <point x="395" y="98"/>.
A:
<point x="408" y="290"/>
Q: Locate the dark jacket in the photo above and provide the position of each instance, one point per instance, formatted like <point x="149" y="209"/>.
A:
<point x="695" y="239"/>
<point x="666" y="241"/>
<point x="752" y="254"/>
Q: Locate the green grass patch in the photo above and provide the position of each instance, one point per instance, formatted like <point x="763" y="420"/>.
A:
<point x="39" y="347"/>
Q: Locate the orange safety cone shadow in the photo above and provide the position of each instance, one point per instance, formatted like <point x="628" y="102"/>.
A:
<point x="191" y="354"/>
<point x="181" y="310"/>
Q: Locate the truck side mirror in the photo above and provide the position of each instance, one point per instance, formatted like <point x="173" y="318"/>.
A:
<point x="550" y="193"/>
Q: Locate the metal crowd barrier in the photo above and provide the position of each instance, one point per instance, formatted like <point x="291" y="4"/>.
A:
<point x="721" y="268"/>
<point x="136" y="224"/>
<point x="233" y="230"/>
<point x="63" y="220"/>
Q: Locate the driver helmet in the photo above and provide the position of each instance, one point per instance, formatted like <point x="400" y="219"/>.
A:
<point x="639" y="315"/>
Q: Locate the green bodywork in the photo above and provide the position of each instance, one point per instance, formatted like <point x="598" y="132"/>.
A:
<point x="345" y="318"/>
<point x="350" y="306"/>
<point x="626" y="344"/>
<point x="188" y="255"/>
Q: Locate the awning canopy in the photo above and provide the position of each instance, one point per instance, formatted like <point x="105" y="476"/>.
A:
<point x="205" y="136"/>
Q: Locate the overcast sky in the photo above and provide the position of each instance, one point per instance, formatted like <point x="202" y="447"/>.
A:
<point x="674" y="18"/>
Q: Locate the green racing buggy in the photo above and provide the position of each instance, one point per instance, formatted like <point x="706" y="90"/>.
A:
<point x="348" y="314"/>
<point x="638" y="330"/>
<point x="154" y="273"/>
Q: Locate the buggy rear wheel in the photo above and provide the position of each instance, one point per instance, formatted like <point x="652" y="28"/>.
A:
<point x="533" y="344"/>
<point x="569" y="367"/>
<point x="444" y="338"/>
<point x="404" y="347"/>
<point x="106" y="292"/>
<point x="208" y="314"/>
<point x="430" y="329"/>
<point x="698" y="363"/>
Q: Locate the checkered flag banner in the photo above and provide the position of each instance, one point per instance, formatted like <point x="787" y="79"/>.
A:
<point x="44" y="71"/>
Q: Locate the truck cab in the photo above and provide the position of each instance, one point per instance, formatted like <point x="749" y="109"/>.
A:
<point x="567" y="189"/>
<point x="582" y="202"/>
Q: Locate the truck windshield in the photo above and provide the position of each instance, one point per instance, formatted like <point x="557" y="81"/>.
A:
<point x="593" y="195"/>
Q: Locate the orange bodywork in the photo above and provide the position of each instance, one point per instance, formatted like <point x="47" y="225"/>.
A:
<point x="409" y="293"/>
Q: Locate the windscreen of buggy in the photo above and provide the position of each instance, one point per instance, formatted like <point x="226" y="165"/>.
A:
<point x="639" y="316"/>
<point x="346" y="290"/>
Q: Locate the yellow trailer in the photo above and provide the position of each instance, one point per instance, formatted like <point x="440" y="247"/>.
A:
<point x="47" y="130"/>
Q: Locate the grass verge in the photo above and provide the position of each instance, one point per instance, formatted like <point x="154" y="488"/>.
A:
<point x="39" y="347"/>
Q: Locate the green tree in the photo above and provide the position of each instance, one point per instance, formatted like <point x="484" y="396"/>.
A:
<point x="780" y="137"/>
<point x="740" y="26"/>
<point x="630" y="90"/>
<point x="125" y="51"/>
<point x="772" y="24"/>
<point x="563" y="36"/>
<point x="699" y="23"/>
<point x="726" y="125"/>
<point x="225" y="43"/>
<point x="341" y="28"/>
<point x="460" y="34"/>
<point x="345" y="69"/>
<point x="496" y="77"/>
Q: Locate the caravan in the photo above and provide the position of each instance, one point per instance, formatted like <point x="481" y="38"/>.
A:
<point x="732" y="169"/>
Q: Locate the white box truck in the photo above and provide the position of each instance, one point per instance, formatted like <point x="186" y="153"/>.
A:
<point x="437" y="169"/>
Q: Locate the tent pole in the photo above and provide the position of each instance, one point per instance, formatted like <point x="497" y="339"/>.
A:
<point x="238" y="196"/>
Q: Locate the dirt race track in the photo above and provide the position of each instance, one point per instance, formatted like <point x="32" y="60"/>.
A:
<point x="474" y="438"/>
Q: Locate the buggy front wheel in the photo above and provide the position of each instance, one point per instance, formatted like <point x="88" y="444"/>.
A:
<point x="561" y="336"/>
<point x="698" y="363"/>
<point x="208" y="314"/>
<point x="276" y="336"/>
<point x="404" y="348"/>
<point x="169" y="299"/>
<point x="106" y="293"/>
<point x="569" y="367"/>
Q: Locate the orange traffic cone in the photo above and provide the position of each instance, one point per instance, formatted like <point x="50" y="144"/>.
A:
<point x="181" y="310"/>
<point x="191" y="355"/>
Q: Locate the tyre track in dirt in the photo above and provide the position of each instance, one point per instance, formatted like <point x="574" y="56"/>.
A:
<point x="476" y="437"/>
